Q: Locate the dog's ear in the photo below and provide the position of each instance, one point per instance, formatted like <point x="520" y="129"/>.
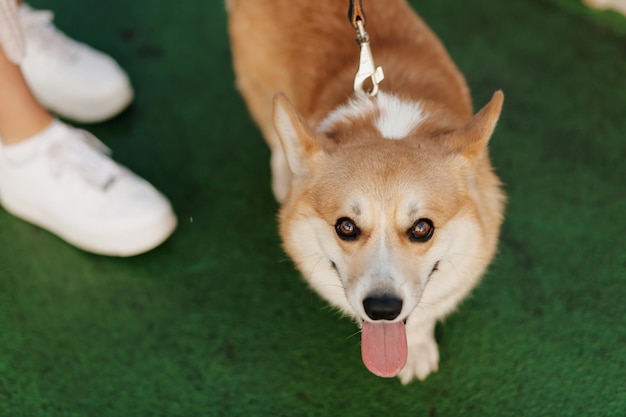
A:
<point x="299" y="141"/>
<point x="471" y="139"/>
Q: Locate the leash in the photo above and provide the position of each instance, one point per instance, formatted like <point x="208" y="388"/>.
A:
<point x="367" y="69"/>
<point x="356" y="13"/>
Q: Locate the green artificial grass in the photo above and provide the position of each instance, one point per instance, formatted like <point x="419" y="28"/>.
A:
<point x="216" y="322"/>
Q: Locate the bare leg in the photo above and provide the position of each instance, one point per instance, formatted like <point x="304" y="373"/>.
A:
<point x="86" y="84"/>
<point x="21" y="116"/>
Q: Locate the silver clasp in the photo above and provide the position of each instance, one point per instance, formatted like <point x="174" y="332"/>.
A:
<point x="367" y="69"/>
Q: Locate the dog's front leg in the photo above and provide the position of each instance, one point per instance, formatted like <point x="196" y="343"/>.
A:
<point x="423" y="352"/>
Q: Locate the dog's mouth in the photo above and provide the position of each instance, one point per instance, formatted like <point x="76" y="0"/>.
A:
<point x="383" y="344"/>
<point x="384" y="347"/>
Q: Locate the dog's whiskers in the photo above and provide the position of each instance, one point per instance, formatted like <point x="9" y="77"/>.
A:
<point x="456" y="271"/>
<point x="471" y="256"/>
<point x="354" y="334"/>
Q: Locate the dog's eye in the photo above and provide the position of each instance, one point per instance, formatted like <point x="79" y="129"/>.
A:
<point x="346" y="229"/>
<point x="421" y="231"/>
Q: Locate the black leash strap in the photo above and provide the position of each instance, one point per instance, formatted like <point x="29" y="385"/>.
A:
<point x="356" y="13"/>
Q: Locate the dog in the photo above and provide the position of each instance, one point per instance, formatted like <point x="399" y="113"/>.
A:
<point x="390" y="207"/>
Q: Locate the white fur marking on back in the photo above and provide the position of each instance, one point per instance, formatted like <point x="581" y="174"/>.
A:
<point x="396" y="120"/>
<point x="357" y="107"/>
<point x="398" y="117"/>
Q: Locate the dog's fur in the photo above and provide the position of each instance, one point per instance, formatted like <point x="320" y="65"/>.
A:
<point x="413" y="152"/>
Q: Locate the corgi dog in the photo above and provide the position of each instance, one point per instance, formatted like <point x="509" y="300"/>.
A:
<point x="390" y="207"/>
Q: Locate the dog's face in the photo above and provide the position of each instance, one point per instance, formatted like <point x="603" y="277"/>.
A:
<point x="382" y="228"/>
<point x="370" y="225"/>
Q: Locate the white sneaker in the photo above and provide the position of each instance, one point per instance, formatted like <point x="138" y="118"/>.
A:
<point x="70" y="78"/>
<point x="62" y="180"/>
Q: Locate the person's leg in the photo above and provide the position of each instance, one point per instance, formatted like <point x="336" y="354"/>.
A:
<point x="21" y="115"/>
<point x="67" y="77"/>
<point x="63" y="180"/>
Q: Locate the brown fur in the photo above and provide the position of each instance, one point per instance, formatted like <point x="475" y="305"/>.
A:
<point x="441" y="171"/>
<point x="306" y="49"/>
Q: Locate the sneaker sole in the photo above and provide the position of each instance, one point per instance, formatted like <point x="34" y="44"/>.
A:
<point x="92" y="114"/>
<point x="134" y="243"/>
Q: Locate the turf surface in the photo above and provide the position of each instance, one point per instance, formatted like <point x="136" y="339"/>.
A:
<point x="216" y="322"/>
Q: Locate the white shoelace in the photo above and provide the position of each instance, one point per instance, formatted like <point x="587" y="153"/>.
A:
<point x="86" y="156"/>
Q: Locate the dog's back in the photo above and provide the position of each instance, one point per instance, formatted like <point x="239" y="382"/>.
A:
<point x="307" y="50"/>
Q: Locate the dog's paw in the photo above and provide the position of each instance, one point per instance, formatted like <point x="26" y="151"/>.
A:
<point x="422" y="359"/>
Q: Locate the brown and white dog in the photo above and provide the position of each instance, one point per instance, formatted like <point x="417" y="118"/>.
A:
<point x="390" y="206"/>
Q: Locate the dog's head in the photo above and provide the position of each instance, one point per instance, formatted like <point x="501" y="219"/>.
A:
<point x="382" y="227"/>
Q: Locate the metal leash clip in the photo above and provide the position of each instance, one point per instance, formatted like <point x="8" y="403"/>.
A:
<point x="367" y="69"/>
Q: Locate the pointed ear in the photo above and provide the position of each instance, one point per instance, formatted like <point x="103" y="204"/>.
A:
<point x="298" y="140"/>
<point x="471" y="139"/>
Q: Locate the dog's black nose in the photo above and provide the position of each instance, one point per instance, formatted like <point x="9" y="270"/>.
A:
<point x="382" y="307"/>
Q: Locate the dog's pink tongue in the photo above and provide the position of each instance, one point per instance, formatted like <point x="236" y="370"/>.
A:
<point x="383" y="348"/>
